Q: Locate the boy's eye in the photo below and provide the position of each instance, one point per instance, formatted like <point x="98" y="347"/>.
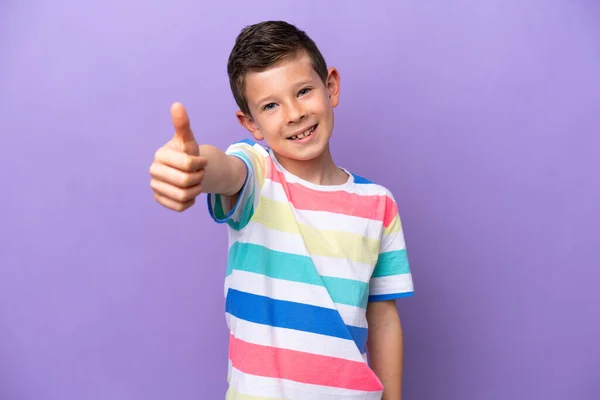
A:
<point x="269" y="106"/>
<point x="304" y="91"/>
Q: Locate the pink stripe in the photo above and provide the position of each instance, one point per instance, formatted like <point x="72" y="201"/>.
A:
<point x="302" y="367"/>
<point x="391" y="209"/>
<point x="375" y="207"/>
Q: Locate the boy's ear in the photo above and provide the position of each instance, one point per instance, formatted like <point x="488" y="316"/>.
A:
<point x="248" y="123"/>
<point x="333" y="86"/>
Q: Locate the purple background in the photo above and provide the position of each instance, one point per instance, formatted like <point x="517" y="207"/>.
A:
<point x="481" y="116"/>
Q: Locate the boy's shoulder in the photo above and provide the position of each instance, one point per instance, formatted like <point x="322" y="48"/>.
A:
<point x="369" y="186"/>
<point x="247" y="144"/>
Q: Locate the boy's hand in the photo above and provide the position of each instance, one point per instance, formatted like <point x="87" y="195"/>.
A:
<point x="178" y="169"/>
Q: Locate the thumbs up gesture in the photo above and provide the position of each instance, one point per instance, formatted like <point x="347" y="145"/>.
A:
<point x="178" y="168"/>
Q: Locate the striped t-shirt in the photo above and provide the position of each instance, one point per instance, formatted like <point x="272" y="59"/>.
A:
<point x="303" y="262"/>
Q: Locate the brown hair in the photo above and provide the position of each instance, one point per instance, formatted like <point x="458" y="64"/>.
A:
<point x="263" y="45"/>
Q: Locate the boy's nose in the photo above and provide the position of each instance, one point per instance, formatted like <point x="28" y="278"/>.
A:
<point x="295" y="113"/>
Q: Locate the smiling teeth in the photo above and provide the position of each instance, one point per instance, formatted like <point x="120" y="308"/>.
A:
<point x="304" y="134"/>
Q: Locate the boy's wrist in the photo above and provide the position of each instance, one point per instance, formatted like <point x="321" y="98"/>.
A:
<point x="224" y="174"/>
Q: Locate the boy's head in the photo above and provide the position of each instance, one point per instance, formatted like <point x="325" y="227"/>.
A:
<point x="281" y="83"/>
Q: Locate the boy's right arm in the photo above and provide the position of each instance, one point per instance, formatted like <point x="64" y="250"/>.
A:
<point x="181" y="169"/>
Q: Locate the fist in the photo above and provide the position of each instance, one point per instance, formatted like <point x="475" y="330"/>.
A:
<point x="178" y="168"/>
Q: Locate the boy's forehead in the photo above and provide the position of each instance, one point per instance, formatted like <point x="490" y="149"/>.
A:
<point x="282" y="76"/>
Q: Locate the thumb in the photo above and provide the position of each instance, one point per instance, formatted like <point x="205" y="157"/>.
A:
<point x="181" y="123"/>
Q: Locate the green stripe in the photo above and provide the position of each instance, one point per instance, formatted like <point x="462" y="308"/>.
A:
<point x="247" y="209"/>
<point x="218" y="208"/>
<point x="391" y="263"/>
<point x="347" y="291"/>
<point x="292" y="267"/>
<point x="247" y="213"/>
<point x="260" y="260"/>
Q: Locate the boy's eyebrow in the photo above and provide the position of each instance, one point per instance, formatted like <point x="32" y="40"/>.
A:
<point x="304" y="83"/>
<point x="297" y="85"/>
<point x="260" y="101"/>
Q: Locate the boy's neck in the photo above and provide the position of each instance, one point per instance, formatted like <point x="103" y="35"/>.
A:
<point x="319" y="171"/>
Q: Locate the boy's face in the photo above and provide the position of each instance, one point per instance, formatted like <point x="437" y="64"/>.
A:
<point x="291" y="108"/>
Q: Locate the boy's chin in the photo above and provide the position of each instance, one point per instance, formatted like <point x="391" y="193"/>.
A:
<point x="301" y="155"/>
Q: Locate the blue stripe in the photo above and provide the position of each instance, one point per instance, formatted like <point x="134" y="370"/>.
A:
<point x="359" y="335"/>
<point x="392" y="296"/>
<point x="360" y="180"/>
<point x="291" y="315"/>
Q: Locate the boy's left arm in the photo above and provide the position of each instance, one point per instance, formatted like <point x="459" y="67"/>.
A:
<point x="391" y="280"/>
<point x="385" y="345"/>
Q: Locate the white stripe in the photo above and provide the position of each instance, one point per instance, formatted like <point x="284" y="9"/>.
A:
<point x="297" y="292"/>
<point x="341" y="268"/>
<point x="292" y="243"/>
<point x="371" y="189"/>
<point x="229" y="367"/>
<point x="253" y="385"/>
<point x="352" y="315"/>
<point x="393" y="284"/>
<point x="325" y="220"/>
<point x="393" y="241"/>
<point x="280" y="289"/>
<point x="274" y="191"/>
<point x="284" y="242"/>
<point x="292" y="339"/>
<point x="328" y="221"/>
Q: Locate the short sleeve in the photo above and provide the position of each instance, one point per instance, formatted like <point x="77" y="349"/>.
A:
<point x="391" y="277"/>
<point x="239" y="214"/>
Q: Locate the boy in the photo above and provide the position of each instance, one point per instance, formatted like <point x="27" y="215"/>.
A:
<point x="316" y="252"/>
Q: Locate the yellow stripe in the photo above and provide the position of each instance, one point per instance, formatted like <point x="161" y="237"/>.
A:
<point x="275" y="215"/>
<point x="329" y="243"/>
<point x="233" y="394"/>
<point x="259" y="167"/>
<point x="258" y="162"/>
<point x="395" y="226"/>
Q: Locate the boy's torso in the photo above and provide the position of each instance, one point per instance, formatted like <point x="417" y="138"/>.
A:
<point x="297" y="287"/>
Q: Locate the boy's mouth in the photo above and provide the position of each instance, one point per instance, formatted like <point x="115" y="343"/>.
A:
<point x="304" y="134"/>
